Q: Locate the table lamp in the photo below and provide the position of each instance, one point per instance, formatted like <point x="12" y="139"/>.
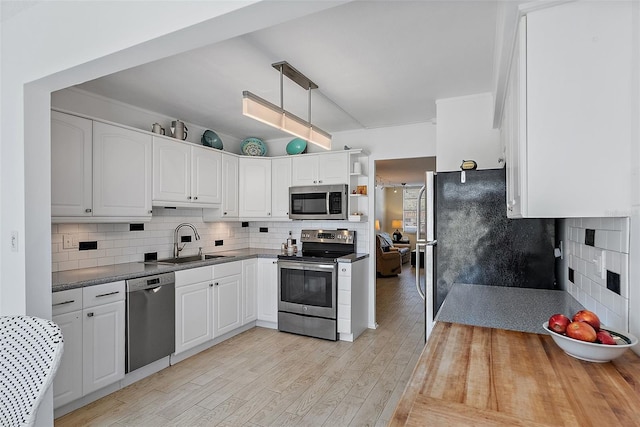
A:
<point x="397" y="224"/>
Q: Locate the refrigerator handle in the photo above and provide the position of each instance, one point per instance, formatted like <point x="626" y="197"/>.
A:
<point x="418" y="246"/>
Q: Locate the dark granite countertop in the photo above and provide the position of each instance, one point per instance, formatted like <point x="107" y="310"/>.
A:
<point x="518" y="309"/>
<point x="71" y="279"/>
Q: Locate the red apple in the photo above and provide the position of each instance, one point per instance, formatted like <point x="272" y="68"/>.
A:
<point x="604" y="337"/>
<point x="589" y="317"/>
<point x="558" y="323"/>
<point x="581" y="331"/>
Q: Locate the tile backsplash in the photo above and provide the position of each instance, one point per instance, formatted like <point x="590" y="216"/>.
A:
<point x="590" y="242"/>
<point x="116" y="244"/>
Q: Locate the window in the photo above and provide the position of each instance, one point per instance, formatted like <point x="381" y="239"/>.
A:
<point x="409" y="207"/>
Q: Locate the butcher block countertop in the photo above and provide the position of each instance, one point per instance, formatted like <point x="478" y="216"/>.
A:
<point x="479" y="376"/>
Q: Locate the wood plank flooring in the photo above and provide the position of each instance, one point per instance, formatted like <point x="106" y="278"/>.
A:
<point x="264" y="377"/>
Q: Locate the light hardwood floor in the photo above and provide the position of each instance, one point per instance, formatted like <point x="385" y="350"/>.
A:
<point x="264" y="377"/>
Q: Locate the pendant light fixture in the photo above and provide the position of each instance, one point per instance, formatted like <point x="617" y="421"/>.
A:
<point x="259" y="109"/>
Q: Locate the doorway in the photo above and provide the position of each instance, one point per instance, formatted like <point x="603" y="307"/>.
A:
<point x="393" y="211"/>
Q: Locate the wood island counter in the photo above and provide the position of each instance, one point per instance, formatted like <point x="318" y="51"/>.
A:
<point x="478" y="376"/>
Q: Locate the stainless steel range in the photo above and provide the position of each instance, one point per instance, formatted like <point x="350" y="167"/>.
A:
<point x="308" y="282"/>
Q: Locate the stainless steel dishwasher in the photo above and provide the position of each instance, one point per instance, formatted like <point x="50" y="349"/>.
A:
<point x="150" y="319"/>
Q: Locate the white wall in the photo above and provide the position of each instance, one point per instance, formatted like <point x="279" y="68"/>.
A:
<point x="465" y="132"/>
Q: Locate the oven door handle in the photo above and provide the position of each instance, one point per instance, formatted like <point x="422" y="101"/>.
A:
<point x="307" y="266"/>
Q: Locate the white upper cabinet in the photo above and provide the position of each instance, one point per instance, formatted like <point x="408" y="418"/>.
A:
<point x="206" y="175"/>
<point x="255" y="188"/>
<point x="71" y="165"/>
<point x="573" y="109"/>
<point x="99" y="172"/>
<point x="185" y="175"/>
<point x="280" y="183"/>
<point x="320" y="169"/>
<point x="171" y="171"/>
<point x="121" y="172"/>
<point x="230" y="166"/>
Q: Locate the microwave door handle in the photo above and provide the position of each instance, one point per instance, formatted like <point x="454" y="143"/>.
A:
<point x="327" y="197"/>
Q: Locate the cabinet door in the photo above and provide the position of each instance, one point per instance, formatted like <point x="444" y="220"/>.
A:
<point x="249" y="290"/>
<point x="67" y="385"/>
<point x="194" y="324"/>
<point x="206" y="176"/>
<point x="580" y="85"/>
<point x="71" y="165"/>
<point x="102" y="346"/>
<point x="304" y="170"/>
<point x="268" y="290"/>
<point x="121" y="171"/>
<point x="255" y="188"/>
<point x="171" y="171"/>
<point x="514" y="126"/>
<point x="229" y="186"/>
<point x="280" y="183"/>
<point x="333" y="168"/>
<point x="227" y="300"/>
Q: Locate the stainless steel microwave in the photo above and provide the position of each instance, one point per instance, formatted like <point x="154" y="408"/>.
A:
<point x="319" y="202"/>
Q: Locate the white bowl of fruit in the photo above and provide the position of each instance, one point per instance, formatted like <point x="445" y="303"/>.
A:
<point x="583" y="337"/>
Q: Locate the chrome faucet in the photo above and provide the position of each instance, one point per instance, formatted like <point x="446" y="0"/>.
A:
<point x="176" y="244"/>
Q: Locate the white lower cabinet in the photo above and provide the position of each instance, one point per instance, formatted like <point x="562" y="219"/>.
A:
<point x="352" y="299"/>
<point x="193" y="315"/>
<point x="249" y="290"/>
<point x="227" y="298"/>
<point x="67" y="385"/>
<point x="194" y="307"/>
<point x="92" y="320"/>
<point x="102" y="346"/>
<point x="267" y="292"/>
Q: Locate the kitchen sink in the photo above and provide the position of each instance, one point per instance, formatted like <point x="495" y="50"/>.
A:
<point x="183" y="260"/>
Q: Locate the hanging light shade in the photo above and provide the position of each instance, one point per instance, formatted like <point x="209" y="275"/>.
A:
<point x="259" y="109"/>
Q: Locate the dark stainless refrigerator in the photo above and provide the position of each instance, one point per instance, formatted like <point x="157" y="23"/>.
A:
<point x="469" y="239"/>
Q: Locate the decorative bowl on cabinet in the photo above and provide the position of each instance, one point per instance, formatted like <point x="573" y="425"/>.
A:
<point x="253" y="147"/>
<point x="211" y="139"/>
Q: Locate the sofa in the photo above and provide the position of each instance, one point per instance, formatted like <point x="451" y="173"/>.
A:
<point x="389" y="259"/>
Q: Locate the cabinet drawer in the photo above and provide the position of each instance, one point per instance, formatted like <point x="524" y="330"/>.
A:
<point x="103" y="294"/>
<point x="66" y="301"/>
<point x="227" y="269"/>
<point x="193" y="275"/>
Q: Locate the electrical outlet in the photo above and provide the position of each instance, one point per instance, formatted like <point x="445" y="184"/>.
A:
<point x="69" y="241"/>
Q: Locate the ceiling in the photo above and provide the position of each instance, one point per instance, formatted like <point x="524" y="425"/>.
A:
<point x="394" y="173"/>
<point x="377" y="64"/>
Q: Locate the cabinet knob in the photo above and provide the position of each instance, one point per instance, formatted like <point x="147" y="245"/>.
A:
<point x="195" y="198"/>
<point x="217" y="283"/>
<point x="188" y="197"/>
<point x="224" y="213"/>
<point x="268" y="213"/>
<point x="320" y="181"/>
<point x="344" y="270"/>
<point x="315" y="182"/>
<point x="211" y="285"/>
<point x="87" y="210"/>
<point x="150" y="212"/>
<point x="90" y="314"/>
